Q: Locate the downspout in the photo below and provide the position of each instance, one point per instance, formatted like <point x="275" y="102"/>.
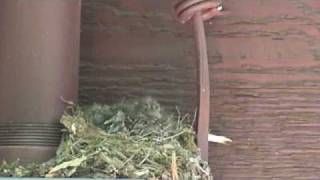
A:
<point x="39" y="57"/>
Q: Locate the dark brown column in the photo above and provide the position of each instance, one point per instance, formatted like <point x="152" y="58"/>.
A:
<point x="39" y="55"/>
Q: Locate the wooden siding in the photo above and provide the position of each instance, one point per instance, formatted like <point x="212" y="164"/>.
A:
<point x="265" y="77"/>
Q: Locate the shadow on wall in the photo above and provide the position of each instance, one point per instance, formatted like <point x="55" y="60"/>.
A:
<point x="133" y="49"/>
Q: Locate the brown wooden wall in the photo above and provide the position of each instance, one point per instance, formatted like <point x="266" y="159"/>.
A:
<point x="264" y="61"/>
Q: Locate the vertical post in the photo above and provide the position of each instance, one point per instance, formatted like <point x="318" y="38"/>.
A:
<point x="39" y="57"/>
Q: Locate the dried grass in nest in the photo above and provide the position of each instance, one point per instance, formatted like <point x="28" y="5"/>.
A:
<point x="133" y="139"/>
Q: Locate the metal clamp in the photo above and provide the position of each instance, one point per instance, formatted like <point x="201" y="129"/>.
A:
<point x="200" y="11"/>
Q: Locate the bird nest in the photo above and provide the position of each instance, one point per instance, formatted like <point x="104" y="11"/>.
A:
<point x="131" y="139"/>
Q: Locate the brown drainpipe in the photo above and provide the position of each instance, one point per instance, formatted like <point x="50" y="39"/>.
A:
<point x="39" y="57"/>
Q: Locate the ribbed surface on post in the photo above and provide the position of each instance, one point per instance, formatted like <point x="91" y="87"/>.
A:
<point x="39" y="56"/>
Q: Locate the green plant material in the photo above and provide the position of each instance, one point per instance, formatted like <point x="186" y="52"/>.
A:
<point x="134" y="139"/>
<point x="72" y="163"/>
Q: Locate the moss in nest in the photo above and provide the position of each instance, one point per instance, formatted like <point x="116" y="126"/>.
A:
<point x="134" y="139"/>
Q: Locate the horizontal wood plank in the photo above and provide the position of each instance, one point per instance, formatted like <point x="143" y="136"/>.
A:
<point x="264" y="62"/>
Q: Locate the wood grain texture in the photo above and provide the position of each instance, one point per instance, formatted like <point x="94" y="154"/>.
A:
<point x="131" y="49"/>
<point x="264" y="60"/>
